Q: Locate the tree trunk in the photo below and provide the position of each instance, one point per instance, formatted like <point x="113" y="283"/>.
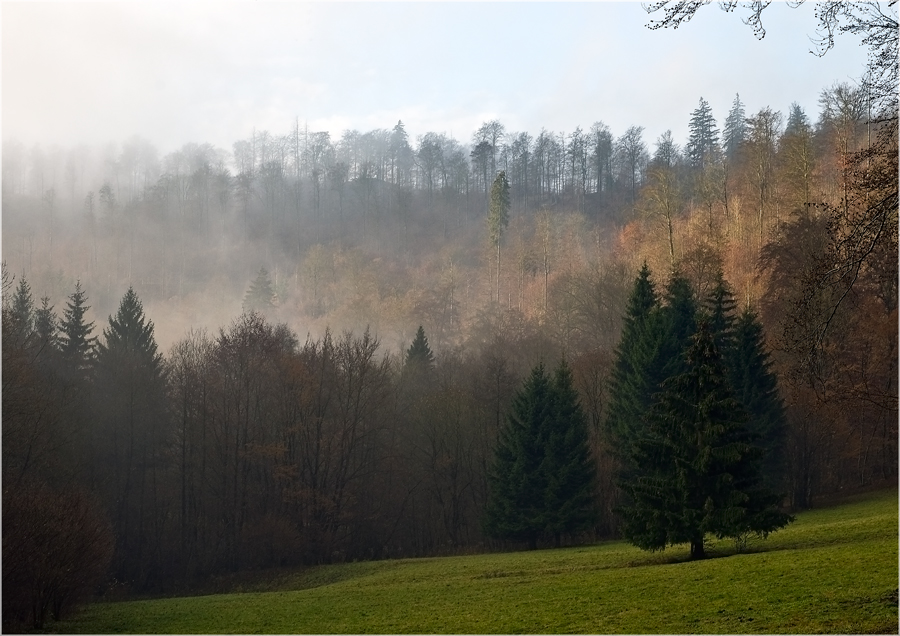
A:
<point x="697" y="551"/>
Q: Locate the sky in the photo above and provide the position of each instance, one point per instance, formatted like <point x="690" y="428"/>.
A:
<point x="179" y="72"/>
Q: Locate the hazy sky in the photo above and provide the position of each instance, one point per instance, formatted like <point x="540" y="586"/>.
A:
<point x="180" y="72"/>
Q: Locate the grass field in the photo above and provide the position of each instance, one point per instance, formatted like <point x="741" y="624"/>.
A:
<point x="834" y="570"/>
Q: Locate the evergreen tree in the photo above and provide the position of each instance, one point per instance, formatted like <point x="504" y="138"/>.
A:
<point x="45" y="328"/>
<point x="735" y="131"/>
<point x="567" y="466"/>
<point x="703" y="140"/>
<point x="76" y="344"/>
<point x="542" y="479"/>
<point x="633" y="377"/>
<point x="419" y="353"/>
<point x="719" y="306"/>
<point x="498" y="216"/>
<point x="677" y="323"/>
<point x="22" y="312"/>
<point x="756" y="388"/>
<point x="515" y="508"/>
<point x="131" y="403"/>
<point x="798" y="122"/>
<point x="260" y="296"/>
<point x="651" y="349"/>
<point x="130" y="334"/>
<point x="417" y="378"/>
<point x="699" y="473"/>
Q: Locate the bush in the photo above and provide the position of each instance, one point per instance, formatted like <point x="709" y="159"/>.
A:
<point x="57" y="545"/>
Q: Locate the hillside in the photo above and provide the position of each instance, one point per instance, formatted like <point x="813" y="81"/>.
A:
<point x="833" y="571"/>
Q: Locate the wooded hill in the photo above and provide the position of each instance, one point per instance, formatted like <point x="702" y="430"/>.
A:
<point x="255" y="445"/>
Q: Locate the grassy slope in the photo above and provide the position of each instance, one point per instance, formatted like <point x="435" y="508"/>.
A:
<point x="833" y="570"/>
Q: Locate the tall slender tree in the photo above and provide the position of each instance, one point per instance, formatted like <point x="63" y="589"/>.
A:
<point x="22" y="313"/>
<point x="735" y="130"/>
<point x="633" y="378"/>
<point x="77" y="346"/>
<point x="703" y="141"/>
<point x="498" y="217"/>
<point x="567" y="467"/>
<point x="132" y="437"/>
<point x="756" y="388"/>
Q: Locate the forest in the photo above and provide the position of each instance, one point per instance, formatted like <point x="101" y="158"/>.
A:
<point x="303" y="349"/>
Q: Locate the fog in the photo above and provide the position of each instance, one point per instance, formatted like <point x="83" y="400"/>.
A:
<point x="363" y="234"/>
<point x="97" y="73"/>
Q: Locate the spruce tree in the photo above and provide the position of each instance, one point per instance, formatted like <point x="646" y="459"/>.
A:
<point x="498" y="216"/>
<point x="260" y="296"/>
<point x="542" y="479"/>
<point x="703" y="140"/>
<point x="679" y="323"/>
<point x="699" y="472"/>
<point x="735" y="130"/>
<point x="131" y="406"/>
<point x="515" y="509"/>
<point x="45" y="328"/>
<point x="567" y="467"/>
<point x="76" y="344"/>
<point x="632" y="381"/>
<point x="419" y="353"/>
<point x="22" y="312"/>
<point x="651" y="349"/>
<point x="756" y="388"/>
<point x="719" y="306"/>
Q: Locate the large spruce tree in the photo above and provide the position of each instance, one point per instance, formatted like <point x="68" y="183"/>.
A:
<point x="498" y="216"/>
<point x="633" y="379"/>
<point x="515" y="509"/>
<point x="741" y="341"/>
<point x="756" y="388"/>
<point x="703" y="140"/>
<point x="542" y="479"/>
<point x="569" y="497"/>
<point x="699" y="470"/>
<point x="131" y="433"/>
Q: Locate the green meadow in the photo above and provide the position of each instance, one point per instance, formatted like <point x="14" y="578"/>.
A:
<point x="834" y="570"/>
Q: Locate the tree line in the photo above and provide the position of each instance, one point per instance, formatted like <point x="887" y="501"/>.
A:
<point x="249" y="447"/>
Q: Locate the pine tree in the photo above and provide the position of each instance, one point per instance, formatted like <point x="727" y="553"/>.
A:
<point x="515" y="508"/>
<point x="798" y="122"/>
<point x="498" y="216"/>
<point x="542" y="479"/>
<point x="45" y="328"/>
<point x="419" y="353"/>
<point x="703" y="140"/>
<point x="719" y="306"/>
<point x="735" y="131"/>
<point x="567" y="467"/>
<point x="132" y="431"/>
<point x="633" y="382"/>
<point x="677" y="324"/>
<point x="417" y="378"/>
<point x="260" y="296"/>
<point x="756" y="388"/>
<point x="22" y="312"/>
<point x="77" y="346"/>
<point x="130" y="334"/>
<point x="699" y="472"/>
